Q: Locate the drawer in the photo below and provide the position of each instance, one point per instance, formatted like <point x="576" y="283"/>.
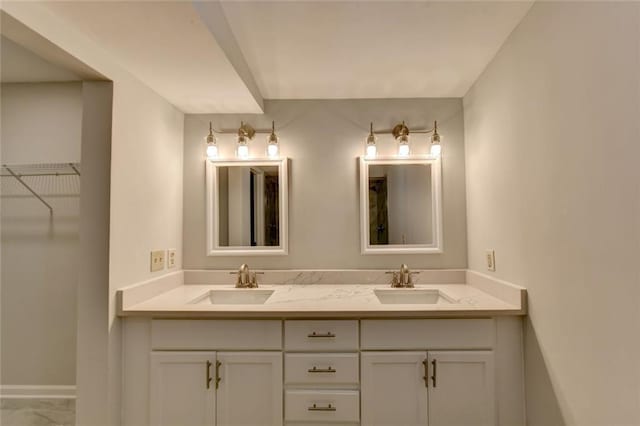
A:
<point x="322" y="406"/>
<point x="428" y="334"/>
<point x="302" y="369"/>
<point x="216" y="335"/>
<point x="321" y="335"/>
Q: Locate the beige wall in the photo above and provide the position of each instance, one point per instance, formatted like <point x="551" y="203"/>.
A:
<point x="552" y="150"/>
<point x="323" y="139"/>
<point x="40" y="124"/>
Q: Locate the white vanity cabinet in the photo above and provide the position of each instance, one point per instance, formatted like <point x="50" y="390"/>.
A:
<point x="345" y="372"/>
<point x="322" y="372"/>
<point x="179" y="392"/>
<point x="424" y="387"/>
<point x="215" y="388"/>
<point x="438" y="388"/>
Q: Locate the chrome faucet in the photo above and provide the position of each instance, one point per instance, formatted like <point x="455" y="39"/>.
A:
<point x="403" y="278"/>
<point x="246" y="278"/>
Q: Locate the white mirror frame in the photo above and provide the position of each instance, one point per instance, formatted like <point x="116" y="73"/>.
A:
<point x="212" y="200"/>
<point x="436" y="205"/>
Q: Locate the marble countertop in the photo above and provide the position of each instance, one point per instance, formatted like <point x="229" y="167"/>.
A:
<point x="322" y="300"/>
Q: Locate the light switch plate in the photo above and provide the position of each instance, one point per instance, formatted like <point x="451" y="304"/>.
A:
<point x="491" y="260"/>
<point x="157" y="260"/>
<point x="171" y="258"/>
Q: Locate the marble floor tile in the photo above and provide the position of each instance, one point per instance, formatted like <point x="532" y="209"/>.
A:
<point x="37" y="412"/>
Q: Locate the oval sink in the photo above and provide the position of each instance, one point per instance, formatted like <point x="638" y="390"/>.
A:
<point x="234" y="297"/>
<point x="408" y="296"/>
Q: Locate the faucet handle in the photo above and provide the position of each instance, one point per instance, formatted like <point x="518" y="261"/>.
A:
<point x="410" y="280"/>
<point x="254" y="279"/>
<point x="394" y="278"/>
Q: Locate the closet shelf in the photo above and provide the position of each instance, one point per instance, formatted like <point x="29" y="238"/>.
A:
<point x="21" y="171"/>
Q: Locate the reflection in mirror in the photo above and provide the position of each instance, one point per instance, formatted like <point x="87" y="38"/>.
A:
<point x="248" y="206"/>
<point x="246" y="209"/>
<point x="400" y="204"/>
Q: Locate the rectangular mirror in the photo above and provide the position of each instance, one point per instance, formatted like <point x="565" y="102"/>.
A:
<point x="400" y="202"/>
<point x="246" y="207"/>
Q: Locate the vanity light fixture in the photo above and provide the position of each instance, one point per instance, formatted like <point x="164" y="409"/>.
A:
<point x="245" y="133"/>
<point x="212" y="145"/>
<point x="436" y="148"/>
<point x="272" y="142"/>
<point x="371" y="150"/>
<point x="401" y="133"/>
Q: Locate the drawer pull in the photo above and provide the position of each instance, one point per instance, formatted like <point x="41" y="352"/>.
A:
<point x="327" y="408"/>
<point x="327" y="334"/>
<point x="321" y="370"/>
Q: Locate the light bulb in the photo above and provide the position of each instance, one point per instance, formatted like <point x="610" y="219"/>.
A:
<point x="403" y="149"/>
<point x="242" y="151"/>
<point x="212" y="151"/>
<point x="372" y="151"/>
<point x="436" y="149"/>
<point x="272" y="150"/>
<point x="212" y="146"/>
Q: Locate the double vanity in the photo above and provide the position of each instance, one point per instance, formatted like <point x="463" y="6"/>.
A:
<point x="323" y="347"/>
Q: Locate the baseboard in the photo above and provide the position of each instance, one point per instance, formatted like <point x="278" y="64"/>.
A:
<point x="35" y="391"/>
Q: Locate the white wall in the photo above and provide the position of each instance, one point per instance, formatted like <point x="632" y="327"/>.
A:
<point x="145" y="206"/>
<point x="323" y="139"/>
<point x="40" y="124"/>
<point x="552" y="150"/>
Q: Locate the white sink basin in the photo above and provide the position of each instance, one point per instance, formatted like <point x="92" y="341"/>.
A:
<point x="412" y="296"/>
<point x="234" y="297"/>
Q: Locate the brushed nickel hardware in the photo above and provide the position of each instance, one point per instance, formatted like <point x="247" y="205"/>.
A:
<point x="208" y="374"/>
<point x="403" y="278"/>
<point x="315" y="334"/>
<point x="218" y="379"/>
<point x="246" y="279"/>
<point x="321" y="370"/>
<point x="327" y="408"/>
<point x="425" y="363"/>
<point x="434" y="363"/>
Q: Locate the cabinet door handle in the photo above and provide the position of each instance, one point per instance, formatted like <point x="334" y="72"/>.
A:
<point x="321" y="370"/>
<point x="425" y="364"/>
<point x="316" y="334"/>
<point x="434" y="363"/>
<point x="316" y="408"/>
<point x="218" y="379"/>
<point x="208" y="374"/>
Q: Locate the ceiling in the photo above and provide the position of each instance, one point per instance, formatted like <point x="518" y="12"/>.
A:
<point x="20" y="65"/>
<point x="359" y="49"/>
<point x="225" y="57"/>
<point x="42" y="61"/>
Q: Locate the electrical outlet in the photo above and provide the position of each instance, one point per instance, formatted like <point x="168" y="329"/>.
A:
<point x="171" y="258"/>
<point x="491" y="260"/>
<point x="157" y="260"/>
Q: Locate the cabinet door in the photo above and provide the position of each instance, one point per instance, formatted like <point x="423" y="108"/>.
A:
<point x="393" y="387"/>
<point x="461" y="388"/>
<point x="180" y="392"/>
<point x="250" y="389"/>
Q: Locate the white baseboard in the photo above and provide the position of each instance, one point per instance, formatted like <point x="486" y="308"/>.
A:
<point x="35" y="391"/>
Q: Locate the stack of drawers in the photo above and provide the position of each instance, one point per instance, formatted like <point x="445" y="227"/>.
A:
<point x="321" y="372"/>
